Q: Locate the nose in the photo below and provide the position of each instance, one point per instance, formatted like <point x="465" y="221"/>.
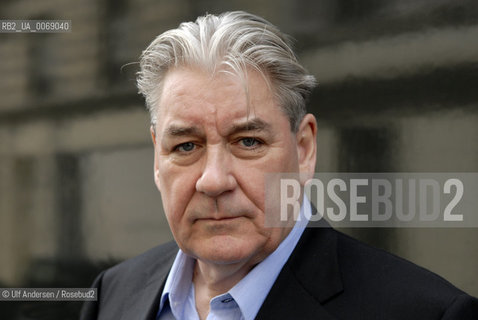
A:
<point x="216" y="177"/>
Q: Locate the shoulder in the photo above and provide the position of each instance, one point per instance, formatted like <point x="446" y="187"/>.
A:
<point x="381" y="267"/>
<point x="134" y="282"/>
<point x="386" y="281"/>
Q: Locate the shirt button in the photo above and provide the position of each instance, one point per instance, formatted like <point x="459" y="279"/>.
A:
<point x="227" y="300"/>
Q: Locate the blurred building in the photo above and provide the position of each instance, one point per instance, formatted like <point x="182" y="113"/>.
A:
<point x="397" y="92"/>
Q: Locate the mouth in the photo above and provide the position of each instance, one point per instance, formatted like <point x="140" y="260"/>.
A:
<point x="219" y="219"/>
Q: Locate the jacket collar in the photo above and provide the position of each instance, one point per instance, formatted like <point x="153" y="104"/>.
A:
<point x="310" y="278"/>
<point x="146" y="303"/>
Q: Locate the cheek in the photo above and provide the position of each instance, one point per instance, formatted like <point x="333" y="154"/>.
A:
<point x="251" y="178"/>
<point x="252" y="185"/>
<point x="281" y="159"/>
<point x="177" y="188"/>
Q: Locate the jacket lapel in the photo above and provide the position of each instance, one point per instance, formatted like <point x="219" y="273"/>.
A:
<point x="310" y="278"/>
<point x="144" y="305"/>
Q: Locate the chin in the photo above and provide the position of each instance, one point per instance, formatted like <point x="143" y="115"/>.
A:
<point x="225" y="250"/>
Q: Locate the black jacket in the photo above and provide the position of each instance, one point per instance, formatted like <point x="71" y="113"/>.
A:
<point x="328" y="276"/>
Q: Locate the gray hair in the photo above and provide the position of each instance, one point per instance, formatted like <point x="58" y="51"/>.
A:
<point x="235" y="40"/>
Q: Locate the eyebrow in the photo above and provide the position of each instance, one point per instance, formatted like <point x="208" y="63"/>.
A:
<point x="254" y="124"/>
<point x="177" y="131"/>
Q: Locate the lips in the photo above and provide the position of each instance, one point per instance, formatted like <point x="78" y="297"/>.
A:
<point x="220" y="211"/>
<point x="219" y="219"/>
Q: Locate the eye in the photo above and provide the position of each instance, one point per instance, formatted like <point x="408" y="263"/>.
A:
<point x="250" y="142"/>
<point x="185" y="147"/>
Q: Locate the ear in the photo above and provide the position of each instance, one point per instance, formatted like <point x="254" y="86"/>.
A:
<point x="307" y="147"/>
<point x="156" y="164"/>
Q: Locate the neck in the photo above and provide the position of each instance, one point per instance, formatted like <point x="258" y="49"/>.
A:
<point x="213" y="279"/>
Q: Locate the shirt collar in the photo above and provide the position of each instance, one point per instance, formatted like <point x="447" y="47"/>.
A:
<point x="260" y="278"/>
<point x="263" y="276"/>
<point x="178" y="283"/>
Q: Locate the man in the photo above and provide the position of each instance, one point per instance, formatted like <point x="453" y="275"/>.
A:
<point x="227" y="102"/>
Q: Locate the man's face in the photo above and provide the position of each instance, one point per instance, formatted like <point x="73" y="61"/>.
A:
<point x="212" y="150"/>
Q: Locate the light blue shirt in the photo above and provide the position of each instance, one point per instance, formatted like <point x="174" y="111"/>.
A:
<point x="241" y="302"/>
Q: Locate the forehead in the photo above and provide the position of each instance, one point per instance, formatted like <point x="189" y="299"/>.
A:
<point x="196" y="96"/>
